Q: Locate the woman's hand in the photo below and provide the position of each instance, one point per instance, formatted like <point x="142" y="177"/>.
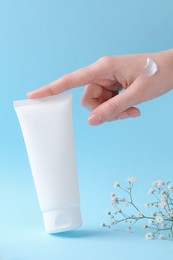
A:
<point x="114" y="85"/>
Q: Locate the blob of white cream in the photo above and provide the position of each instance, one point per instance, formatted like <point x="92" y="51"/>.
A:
<point x="150" y="68"/>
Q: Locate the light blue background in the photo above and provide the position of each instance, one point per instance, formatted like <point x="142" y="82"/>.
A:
<point x="40" y="41"/>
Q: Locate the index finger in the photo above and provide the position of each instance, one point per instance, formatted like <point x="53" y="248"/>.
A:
<point x="74" y="79"/>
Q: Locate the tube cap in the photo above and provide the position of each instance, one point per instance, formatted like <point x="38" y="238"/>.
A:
<point x="62" y="220"/>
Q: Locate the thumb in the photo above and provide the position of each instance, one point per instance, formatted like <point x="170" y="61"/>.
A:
<point x="114" y="107"/>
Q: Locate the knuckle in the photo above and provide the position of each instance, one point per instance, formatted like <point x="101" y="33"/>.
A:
<point x="105" y="60"/>
<point x="67" y="80"/>
<point x="112" y="108"/>
<point x="83" y="101"/>
<point x="50" y="91"/>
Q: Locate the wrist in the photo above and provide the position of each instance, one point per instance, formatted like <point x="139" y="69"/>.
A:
<point x="167" y="62"/>
<point x="170" y="54"/>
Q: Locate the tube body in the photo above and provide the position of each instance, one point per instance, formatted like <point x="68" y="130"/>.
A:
<point x="48" y="134"/>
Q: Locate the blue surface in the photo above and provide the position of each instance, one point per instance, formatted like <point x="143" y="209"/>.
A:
<point x="40" y="41"/>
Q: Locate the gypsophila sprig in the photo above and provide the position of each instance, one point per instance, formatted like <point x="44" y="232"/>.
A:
<point x="159" y="222"/>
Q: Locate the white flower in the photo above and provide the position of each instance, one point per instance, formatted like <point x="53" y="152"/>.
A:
<point x="155" y="204"/>
<point x="118" y="210"/>
<point x="158" y="183"/>
<point x="170" y="187"/>
<point x="170" y="213"/>
<point x="116" y="184"/>
<point x="163" y="197"/>
<point x="149" y="236"/>
<point x="161" y="236"/>
<point x="163" y="225"/>
<point x="159" y="219"/>
<point x="102" y="224"/>
<point x="111" y="223"/>
<point x="147" y="205"/>
<point x="155" y="183"/>
<point x="132" y="179"/>
<point x="162" y="204"/>
<point x="129" y="229"/>
<point x="151" y="191"/>
<point x="151" y="221"/>
<point x="139" y="214"/>
<point x="162" y="191"/>
<point x="108" y="212"/>
<point x="114" y="199"/>
<point x="126" y="203"/>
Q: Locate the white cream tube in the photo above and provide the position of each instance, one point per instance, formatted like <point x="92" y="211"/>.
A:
<point x="48" y="134"/>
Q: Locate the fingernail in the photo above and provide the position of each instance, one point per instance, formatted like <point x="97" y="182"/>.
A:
<point x="123" y="116"/>
<point x="29" y="94"/>
<point x="94" y="119"/>
<point x="134" y="114"/>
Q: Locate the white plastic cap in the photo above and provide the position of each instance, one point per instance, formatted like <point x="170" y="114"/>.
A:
<point x="62" y="220"/>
